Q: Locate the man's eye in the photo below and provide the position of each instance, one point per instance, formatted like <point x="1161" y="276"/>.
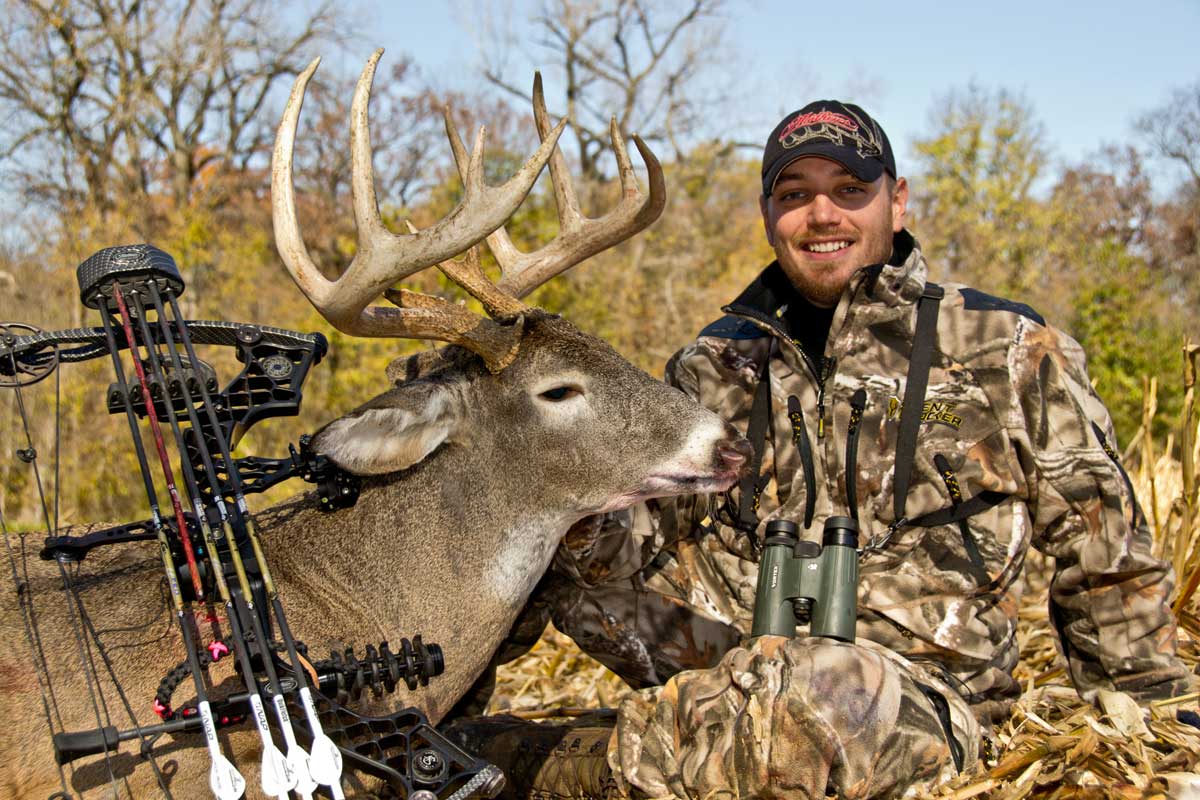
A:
<point x="559" y="393"/>
<point x="792" y="196"/>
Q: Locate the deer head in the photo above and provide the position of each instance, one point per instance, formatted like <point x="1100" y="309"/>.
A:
<point x="544" y="385"/>
<point x="502" y="441"/>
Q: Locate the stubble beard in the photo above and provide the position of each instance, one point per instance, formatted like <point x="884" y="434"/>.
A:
<point x="823" y="284"/>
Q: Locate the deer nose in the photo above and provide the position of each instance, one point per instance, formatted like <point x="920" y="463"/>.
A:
<point x="735" y="454"/>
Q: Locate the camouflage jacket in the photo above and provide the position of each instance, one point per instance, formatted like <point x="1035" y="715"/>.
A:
<point x="1008" y="409"/>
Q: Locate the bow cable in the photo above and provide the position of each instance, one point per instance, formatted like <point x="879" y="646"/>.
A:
<point x="41" y="671"/>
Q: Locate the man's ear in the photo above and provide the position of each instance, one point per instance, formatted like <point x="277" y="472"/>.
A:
<point x="763" y="200"/>
<point x="899" y="204"/>
<point x="392" y="432"/>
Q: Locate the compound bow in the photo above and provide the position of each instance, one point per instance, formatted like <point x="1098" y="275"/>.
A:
<point x="211" y="552"/>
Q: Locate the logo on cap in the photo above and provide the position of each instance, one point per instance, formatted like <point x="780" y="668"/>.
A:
<point x="840" y="129"/>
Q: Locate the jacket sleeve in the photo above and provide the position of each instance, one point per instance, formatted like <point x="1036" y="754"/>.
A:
<point x="1109" y="594"/>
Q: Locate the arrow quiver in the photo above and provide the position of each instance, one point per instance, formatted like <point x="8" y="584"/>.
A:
<point x="210" y="550"/>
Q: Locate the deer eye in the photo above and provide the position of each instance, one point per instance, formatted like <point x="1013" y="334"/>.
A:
<point x="559" y="393"/>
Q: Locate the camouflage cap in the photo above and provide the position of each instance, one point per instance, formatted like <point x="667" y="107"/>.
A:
<point x="842" y="132"/>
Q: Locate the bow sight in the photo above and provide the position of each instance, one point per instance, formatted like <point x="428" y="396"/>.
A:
<point x="210" y="549"/>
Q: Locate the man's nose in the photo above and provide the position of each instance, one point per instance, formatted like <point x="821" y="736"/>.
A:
<point x="824" y="211"/>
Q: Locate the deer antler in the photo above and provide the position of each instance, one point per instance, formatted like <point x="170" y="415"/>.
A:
<point x="383" y="257"/>
<point x="579" y="237"/>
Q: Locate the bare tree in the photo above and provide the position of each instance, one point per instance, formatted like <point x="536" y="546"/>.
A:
<point x="643" y="59"/>
<point x="1173" y="130"/>
<point x="113" y="98"/>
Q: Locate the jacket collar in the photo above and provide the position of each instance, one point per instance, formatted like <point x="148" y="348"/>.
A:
<point x="894" y="284"/>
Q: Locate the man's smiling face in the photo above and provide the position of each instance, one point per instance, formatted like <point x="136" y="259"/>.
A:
<point x="825" y="224"/>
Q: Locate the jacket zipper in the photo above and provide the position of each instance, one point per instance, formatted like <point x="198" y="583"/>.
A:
<point x="956" y="498"/>
<point x="820" y="372"/>
<point x="1112" y="454"/>
<point x="827" y="365"/>
<point x="858" y="403"/>
<point x="800" y="438"/>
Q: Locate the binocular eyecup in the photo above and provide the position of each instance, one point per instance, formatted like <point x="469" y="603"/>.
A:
<point x="840" y="531"/>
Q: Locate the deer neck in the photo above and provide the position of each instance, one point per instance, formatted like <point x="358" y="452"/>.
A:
<point x="427" y="552"/>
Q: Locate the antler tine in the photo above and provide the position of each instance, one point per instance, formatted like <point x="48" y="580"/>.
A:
<point x="498" y="242"/>
<point x="383" y="257"/>
<point x="288" y="241"/>
<point x="565" y="199"/>
<point x="580" y="237"/>
<point x="469" y="274"/>
<point x="362" y="168"/>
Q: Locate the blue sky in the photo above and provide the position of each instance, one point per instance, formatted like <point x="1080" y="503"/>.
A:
<point x="1087" y="68"/>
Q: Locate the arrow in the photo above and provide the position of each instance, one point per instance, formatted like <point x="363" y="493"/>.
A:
<point x="224" y="779"/>
<point x="329" y="760"/>
<point x="325" y="761"/>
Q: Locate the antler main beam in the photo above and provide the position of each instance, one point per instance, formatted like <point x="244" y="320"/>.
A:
<point x="579" y="237"/>
<point x="383" y="257"/>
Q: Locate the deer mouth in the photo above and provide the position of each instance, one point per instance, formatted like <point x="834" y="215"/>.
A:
<point x="731" y="459"/>
<point x="669" y="485"/>
<point x="663" y="485"/>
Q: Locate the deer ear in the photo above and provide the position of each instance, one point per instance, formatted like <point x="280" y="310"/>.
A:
<point x="392" y="432"/>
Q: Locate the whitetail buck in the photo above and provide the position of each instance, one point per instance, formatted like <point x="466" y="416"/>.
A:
<point x="478" y="459"/>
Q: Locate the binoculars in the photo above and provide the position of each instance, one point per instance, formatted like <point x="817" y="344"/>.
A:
<point x="806" y="582"/>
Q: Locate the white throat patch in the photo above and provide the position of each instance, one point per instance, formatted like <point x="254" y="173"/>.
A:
<point x="523" y="556"/>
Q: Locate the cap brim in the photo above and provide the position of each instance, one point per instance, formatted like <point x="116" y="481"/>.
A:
<point x="865" y="169"/>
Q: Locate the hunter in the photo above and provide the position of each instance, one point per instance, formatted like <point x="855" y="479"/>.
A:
<point x="959" y="429"/>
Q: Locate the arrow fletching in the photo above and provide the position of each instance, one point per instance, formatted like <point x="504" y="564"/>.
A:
<point x="297" y="761"/>
<point x="277" y="776"/>
<point x="224" y="779"/>
<point x="325" y="762"/>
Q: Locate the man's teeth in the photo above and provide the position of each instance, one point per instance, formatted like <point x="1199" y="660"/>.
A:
<point x="825" y="247"/>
